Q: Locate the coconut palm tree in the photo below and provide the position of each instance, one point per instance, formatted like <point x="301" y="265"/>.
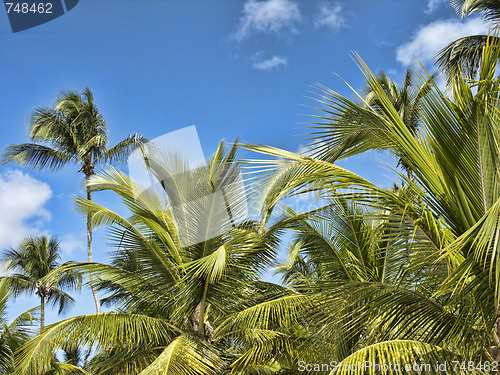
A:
<point x="73" y="132"/>
<point x="453" y="202"/>
<point x="174" y="301"/>
<point x="30" y="263"/>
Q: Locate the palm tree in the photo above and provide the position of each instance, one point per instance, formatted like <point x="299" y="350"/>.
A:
<point x="31" y="263"/>
<point x="175" y="303"/>
<point x="463" y="56"/>
<point x="453" y="206"/>
<point x="72" y="132"/>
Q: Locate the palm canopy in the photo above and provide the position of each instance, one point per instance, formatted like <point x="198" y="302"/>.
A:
<point x="452" y="203"/>
<point x="175" y="303"/>
<point x="348" y="261"/>
<point x="30" y="264"/>
<point x="344" y="241"/>
<point x="74" y="131"/>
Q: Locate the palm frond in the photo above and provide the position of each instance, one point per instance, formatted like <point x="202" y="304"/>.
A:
<point x="398" y="357"/>
<point x="36" y="156"/>
<point x="185" y="356"/>
<point x="102" y="330"/>
<point x="490" y="9"/>
<point x="121" y="151"/>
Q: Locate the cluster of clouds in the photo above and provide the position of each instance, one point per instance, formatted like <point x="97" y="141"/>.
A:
<point x="70" y="243"/>
<point x="265" y="16"/>
<point x="285" y="16"/>
<point x="24" y="202"/>
<point x="430" y="39"/>
<point x="278" y="16"/>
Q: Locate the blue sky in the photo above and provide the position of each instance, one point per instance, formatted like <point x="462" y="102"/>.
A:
<point x="232" y="68"/>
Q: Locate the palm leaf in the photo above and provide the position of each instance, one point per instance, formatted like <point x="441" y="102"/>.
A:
<point x="185" y="356"/>
<point x="37" y="156"/>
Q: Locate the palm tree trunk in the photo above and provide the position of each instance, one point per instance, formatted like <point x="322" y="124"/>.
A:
<point x="201" y="327"/>
<point x="89" y="248"/>
<point x="42" y="311"/>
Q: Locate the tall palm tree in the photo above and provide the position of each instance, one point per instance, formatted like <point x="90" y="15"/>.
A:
<point x="453" y="203"/>
<point x="175" y="302"/>
<point x="35" y="259"/>
<point x="73" y="132"/>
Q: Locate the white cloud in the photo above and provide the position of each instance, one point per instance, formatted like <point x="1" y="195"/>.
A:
<point x="330" y="16"/>
<point x="69" y="243"/>
<point x="268" y="15"/>
<point x="432" y="5"/>
<point x="23" y="200"/>
<point x="430" y="39"/>
<point x="271" y="63"/>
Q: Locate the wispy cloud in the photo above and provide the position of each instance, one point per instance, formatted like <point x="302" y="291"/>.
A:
<point x="270" y="63"/>
<point x="71" y="243"/>
<point x="432" y="5"/>
<point x="23" y="200"/>
<point x="267" y="16"/>
<point x="430" y="39"/>
<point x="330" y="15"/>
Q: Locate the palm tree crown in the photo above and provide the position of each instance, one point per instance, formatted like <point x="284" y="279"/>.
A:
<point x="35" y="259"/>
<point x="74" y="131"/>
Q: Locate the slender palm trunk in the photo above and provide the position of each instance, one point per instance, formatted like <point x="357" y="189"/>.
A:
<point x="89" y="248"/>
<point x="201" y="327"/>
<point x="42" y="311"/>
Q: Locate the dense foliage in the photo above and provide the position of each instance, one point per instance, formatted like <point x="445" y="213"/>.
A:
<point x="374" y="276"/>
